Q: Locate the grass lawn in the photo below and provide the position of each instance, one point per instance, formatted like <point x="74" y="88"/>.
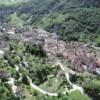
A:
<point x="51" y="85"/>
<point x="76" y="95"/>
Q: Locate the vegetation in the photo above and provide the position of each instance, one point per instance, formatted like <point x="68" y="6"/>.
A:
<point x="90" y="83"/>
<point x="38" y="70"/>
<point x="72" y="20"/>
<point x="6" y="92"/>
<point x="92" y="87"/>
<point x="10" y="2"/>
<point x="76" y="95"/>
<point x="15" y="20"/>
<point x="35" y="50"/>
<point x="52" y="85"/>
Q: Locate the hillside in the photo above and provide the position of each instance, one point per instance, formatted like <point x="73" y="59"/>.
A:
<point x="35" y="64"/>
<point x="50" y="49"/>
<point x="72" y="20"/>
<point x="11" y="2"/>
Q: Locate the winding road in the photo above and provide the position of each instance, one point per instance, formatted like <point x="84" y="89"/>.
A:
<point x="33" y="85"/>
<point x="74" y="86"/>
<point x="12" y="84"/>
<point x="67" y="72"/>
<point x="39" y="89"/>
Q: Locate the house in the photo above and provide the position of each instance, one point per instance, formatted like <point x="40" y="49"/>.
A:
<point x="24" y="64"/>
<point x="1" y="53"/>
<point x="98" y="71"/>
<point x="20" y="91"/>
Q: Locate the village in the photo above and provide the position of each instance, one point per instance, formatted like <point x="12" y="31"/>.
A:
<point x="77" y="57"/>
<point x="81" y="56"/>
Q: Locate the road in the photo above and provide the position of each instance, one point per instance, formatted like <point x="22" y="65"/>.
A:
<point x="35" y="86"/>
<point x="67" y="72"/>
<point x="11" y="83"/>
<point x="97" y="48"/>
<point x="39" y="89"/>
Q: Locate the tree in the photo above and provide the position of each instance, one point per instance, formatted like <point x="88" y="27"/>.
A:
<point x="25" y="79"/>
<point x="92" y="87"/>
